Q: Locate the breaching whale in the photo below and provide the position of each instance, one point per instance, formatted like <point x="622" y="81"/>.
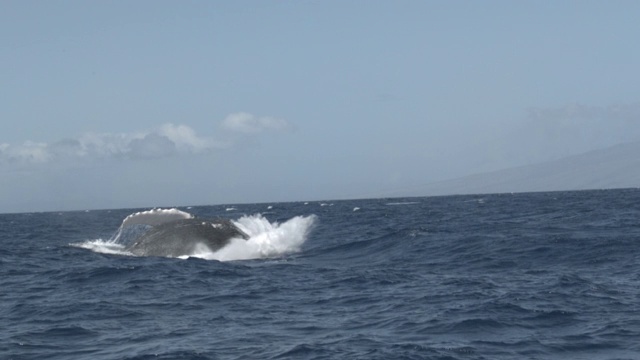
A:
<point x="176" y="233"/>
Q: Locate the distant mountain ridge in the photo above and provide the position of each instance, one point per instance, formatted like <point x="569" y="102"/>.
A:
<point x="610" y="168"/>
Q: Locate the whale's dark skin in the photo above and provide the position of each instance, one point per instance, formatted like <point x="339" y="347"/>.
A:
<point x="183" y="237"/>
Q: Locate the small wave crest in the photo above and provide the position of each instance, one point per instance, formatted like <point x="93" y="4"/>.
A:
<point x="400" y="203"/>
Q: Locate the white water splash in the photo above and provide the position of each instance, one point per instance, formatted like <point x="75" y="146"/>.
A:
<point x="266" y="239"/>
<point x="103" y="247"/>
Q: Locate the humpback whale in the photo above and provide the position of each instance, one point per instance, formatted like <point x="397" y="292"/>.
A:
<point x="176" y="233"/>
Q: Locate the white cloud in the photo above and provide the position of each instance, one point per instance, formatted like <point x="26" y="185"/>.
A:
<point x="248" y="123"/>
<point x="151" y="146"/>
<point x="165" y="141"/>
<point x="29" y="151"/>
<point x="185" y="138"/>
<point x="105" y="144"/>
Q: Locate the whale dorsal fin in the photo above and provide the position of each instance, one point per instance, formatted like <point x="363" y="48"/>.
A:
<point x="155" y="217"/>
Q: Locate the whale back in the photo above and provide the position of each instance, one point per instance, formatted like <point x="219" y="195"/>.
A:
<point x="185" y="236"/>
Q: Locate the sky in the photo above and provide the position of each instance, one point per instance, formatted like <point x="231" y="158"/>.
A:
<point x="118" y="104"/>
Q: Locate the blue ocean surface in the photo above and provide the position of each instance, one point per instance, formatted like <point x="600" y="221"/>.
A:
<point x="507" y="276"/>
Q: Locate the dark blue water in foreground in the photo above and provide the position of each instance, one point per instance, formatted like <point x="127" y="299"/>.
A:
<point x="523" y="276"/>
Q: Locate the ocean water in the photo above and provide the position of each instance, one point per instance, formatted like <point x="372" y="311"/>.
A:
<point x="509" y="276"/>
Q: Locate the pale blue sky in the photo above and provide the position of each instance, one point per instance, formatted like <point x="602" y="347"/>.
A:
<point x="155" y="103"/>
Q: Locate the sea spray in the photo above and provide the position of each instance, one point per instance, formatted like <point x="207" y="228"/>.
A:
<point x="266" y="239"/>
